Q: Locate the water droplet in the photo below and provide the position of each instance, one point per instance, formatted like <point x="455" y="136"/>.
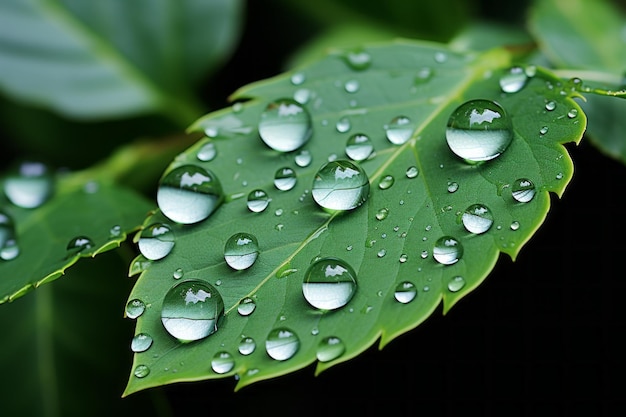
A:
<point x="382" y="213"/>
<point x="440" y="57"/>
<point x="192" y="310"/>
<point x="351" y="86"/>
<point x="453" y="186"/>
<point x="330" y="348"/>
<point x="550" y="105"/>
<point x="456" y="284"/>
<point x="381" y="253"/>
<point x="282" y="344"/>
<point x="358" y="60"/>
<point x="543" y="130"/>
<point x="29" y="184"/>
<point x="343" y="125"/>
<point x="514" y="225"/>
<point x="477" y="218"/>
<point x="405" y="292"/>
<point x="247" y="345"/>
<point x="403" y="258"/>
<point x="141" y="371"/>
<point x="241" y="251"/>
<point x="340" y="185"/>
<point x="140" y="343"/>
<point x="297" y="78"/>
<point x="386" y="182"/>
<point x="424" y="253"/>
<point x="135" y="308"/>
<point x="399" y="130"/>
<point x="246" y="306"/>
<point x="9" y="248"/>
<point x="115" y="231"/>
<point x="285" y="125"/>
<point x="178" y="273"/>
<point x="479" y="130"/>
<point x="523" y="190"/>
<point x="285" y="179"/>
<point x="447" y="250"/>
<point x="207" y="152"/>
<point x="302" y="95"/>
<point x="79" y="244"/>
<point x="156" y="241"/>
<point x="329" y="284"/>
<point x="513" y="80"/>
<point x="423" y="75"/>
<point x="303" y="159"/>
<point x="222" y="362"/>
<point x="359" y="147"/>
<point x="572" y="113"/>
<point x="412" y="172"/>
<point x="258" y="200"/>
<point x="189" y="194"/>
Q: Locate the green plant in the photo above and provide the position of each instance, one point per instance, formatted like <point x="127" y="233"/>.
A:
<point x="404" y="109"/>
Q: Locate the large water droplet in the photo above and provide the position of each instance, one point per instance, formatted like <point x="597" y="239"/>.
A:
<point x="399" y="130"/>
<point x="456" y="284"/>
<point x="329" y="284"/>
<point x="258" y="200"/>
<point x="478" y="131"/>
<point x="79" y="244"/>
<point x="189" y="194"/>
<point x="477" y="218"/>
<point x="140" y="343"/>
<point x="222" y="362"/>
<point x="330" y="348"/>
<point x="359" y="147"/>
<point x="241" y="251"/>
<point x="282" y="344"/>
<point x="192" y="310"/>
<point x="247" y="345"/>
<point x="285" y="179"/>
<point x="405" y="292"/>
<point x="523" y="190"/>
<point x="447" y="250"/>
<point x="513" y="80"/>
<point x="9" y="248"/>
<point x="141" y="371"/>
<point x="135" y="308"/>
<point x="246" y="306"/>
<point x="156" y="241"/>
<point x="285" y="125"/>
<point x="29" y="185"/>
<point x="340" y="185"/>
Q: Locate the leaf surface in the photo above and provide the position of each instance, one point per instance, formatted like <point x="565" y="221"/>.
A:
<point x="388" y="240"/>
<point x="113" y="58"/>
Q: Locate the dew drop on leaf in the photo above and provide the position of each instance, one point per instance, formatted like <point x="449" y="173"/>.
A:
<point x="550" y="105"/>
<point x="386" y="182"/>
<point x="222" y="362"/>
<point x="340" y="185"/>
<point x="412" y="172"/>
<point x="477" y="218"/>
<point x="382" y="213"/>
<point x="246" y="306"/>
<point x="178" y="273"/>
<point x="9" y="248"/>
<point x="452" y="186"/>
<point x="140" y="343"/>
<point x="282" y="344"/>
<point x="359" y="147"/>
<point x="399" y="130"/>
<point x="515" y="225"/>
<point x="358" y="60"/>
<point x="478" y="131"/>
<point x="135" y="308"/>
<point x="29" y="184"/>
<point x="351" y="86"/>
<point x="513" y="80"/>
<point x="285" y="125"/>
<point x="329" y="283"/>
<point x="189" y="194"/>
<point x="78" y="245"/>
<point x="241" y="251"/>
<point x="207" y="152"/>
<point x="456" y="283"/>
<point x="258" y="200"/>
<point x="141" y="371"/>
<point x="247" y="346"/>
<point x="523" y="190"/>
<point x="447" y="250"/>
<point x="303" y="159"/>
<point x="191" y="310"/>
<point x="330" y="348"/>
<point x="572" y="113"/>
<point x="298" y="78"/>
<point x="343" y="125"/>
<point x="156" y="241"/>
<point x="285" y="179"/>
<point x="405" y="292"/>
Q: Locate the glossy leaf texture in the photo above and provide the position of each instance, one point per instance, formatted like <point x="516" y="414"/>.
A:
<point x="586" y="39"/>
<point x="77" y="219"/>
<point x="388" y="268"/>
<point x="111" y="59"/>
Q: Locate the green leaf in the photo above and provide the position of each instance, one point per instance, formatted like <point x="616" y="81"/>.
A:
<point x="101" y="211"/>
<point x="113" y="58"/>
<point x="388" y="240"/>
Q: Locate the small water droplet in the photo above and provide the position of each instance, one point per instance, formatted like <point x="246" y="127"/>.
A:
<point x="456" y="284"/>
<point x="298" y="78"/>
<point x="351" y="86"/>
<point x="246" y="306"/>
<point x="282" y="344"/>
<point x="285" y="179"/>
<point x="241" y="251"/>
<point x="440" y="57"/>
<point x="340" y="185"/>
<point x="513" y="80"/>
<point x="543" y="130"/>
<point x="178" y="273"/>
<point x="359" y="147"/>
<point x="189" y="194"/>
<point x="405" y="292"/>
<point x="399" y="130"/>
<point x="192" y="310"/>
<point x="303" y="159"/>
<point x="141" y="371"/>
<point x="386" y="182"/>
<point x="207" y="152"/>
<point x="9" y="248"/>
<point x="140" y="343"/>
<point x="572" y="113"/>
<point x="452" y="186"/>
<point x="115" y="231"/>
<point x="258" y="200"/>
<point x="382" y="213"/>
<point x="247" y="346"/>
<point x="329" y="284"/>
<point x="477" y="218"/>
<point x="285" y="125"/>
<point x="343" y="125"/>
<point x="156" y="241"/>
<point x="79" y="244"/>
<point x="447" y="250"/>
<point x="412" y="172"/>
<point x="478" y="131"/>
<point x="302" y="95"/>
<point x="29" y="184"/>
<point x="135" y="308"/>
<point x="381" y="253"/>
<point x="358" y="60"/>
<point x="423" y="75"/>
<point x="222" y="362"/>
<point x="424" y="253"/>
<point x="515" y="225"/>
<point x="550" y="105"/>
<point x="523" y="190"/>
<point x="403" y="258"/>
<point x="330" y="348"/>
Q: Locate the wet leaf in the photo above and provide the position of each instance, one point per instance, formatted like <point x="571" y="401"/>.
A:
<point x="328" y="283"/>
